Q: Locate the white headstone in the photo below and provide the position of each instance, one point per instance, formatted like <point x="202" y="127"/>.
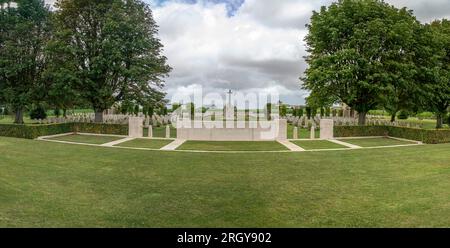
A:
<point x="326" y="129"/>
<point x="313" y="132"/>
<point x="295" y="133"/>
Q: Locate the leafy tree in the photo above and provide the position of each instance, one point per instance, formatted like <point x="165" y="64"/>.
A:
<point x="300" y="112"/>
<point x="283" y="110"/>
<point x="111" y="50"/>
<point x="24" y="31"/>
<point x="38" y="113"/>
<point x="434" y="63"/>
<point x="308" y="112"/>
<point x="354" y="49"/>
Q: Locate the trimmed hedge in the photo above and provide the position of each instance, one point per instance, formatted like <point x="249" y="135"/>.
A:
<point x="360" y="131"/>
<point x="34" y="131"/>
<point x="115" y="129"/>
<point x="428" y="136"/>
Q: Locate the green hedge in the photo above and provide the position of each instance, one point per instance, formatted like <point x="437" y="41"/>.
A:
<point x="34" y="131"/>
<point x="115" y="129"/>
<point x="427" y="136"/>
<point x="359" y="131"/>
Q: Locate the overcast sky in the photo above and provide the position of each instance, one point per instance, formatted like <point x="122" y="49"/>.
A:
<point x="246" y="45"/>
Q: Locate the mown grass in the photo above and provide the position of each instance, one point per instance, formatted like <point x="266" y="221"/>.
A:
<point x="86" y="139"/>
<point x="146" y="143"/>
<point x="232" y="146"/>
<point x="374" y="142"/>
<point x="317" y="144"/>
<point x="61" y="185"/>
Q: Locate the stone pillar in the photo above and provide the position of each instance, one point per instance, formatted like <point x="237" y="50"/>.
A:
<point x="326" y="129"/>
<point x="295" y="136"/>
<point x="313" y="132"/>
<point x="150" y="131"/>
<point x="167" y="132"/>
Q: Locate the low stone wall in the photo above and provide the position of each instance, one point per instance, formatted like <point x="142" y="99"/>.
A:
<point x="244" y="131"/>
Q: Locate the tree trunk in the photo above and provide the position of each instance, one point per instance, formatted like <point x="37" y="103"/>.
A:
<point x="19" y="116"/>
<point x="362" y="118"/>
<point x="439" y="120"/>
<point x="393" y="116"/>
<point x="65" y="113"/>
<point x="98" y="116"/>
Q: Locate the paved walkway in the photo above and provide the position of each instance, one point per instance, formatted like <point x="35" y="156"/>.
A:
<point x="118" y="142"/>
<point x="345" y="144"/>
<point x="291" y="146"/>
<point x="174" y="145"/>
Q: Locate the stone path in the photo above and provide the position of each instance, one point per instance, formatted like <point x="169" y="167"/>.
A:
<point x="118" y="142"/>
<point x="174" y="145"/>
<point x="344" y="144"/>
<point x="291" y="146"/>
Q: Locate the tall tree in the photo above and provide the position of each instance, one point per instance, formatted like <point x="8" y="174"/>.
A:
<point x="24" y="31"/>
<point x="353" y="52"/>
<point x="113" y="51"/>
<point x="434" y="63"/>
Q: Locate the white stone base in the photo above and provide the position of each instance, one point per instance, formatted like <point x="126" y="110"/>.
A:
<point x="208" y="131"/>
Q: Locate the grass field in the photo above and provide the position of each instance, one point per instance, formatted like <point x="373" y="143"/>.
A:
<point x="87" y="139"/>
<point x="160" y="132"/>
<point x="317" y="144"/>
<point x="232" y="146"/>
<point x="374" y="142"/>
<point x="146" y="143"/>
<point x="46" y="184"/>
<point x="302" y="133"/>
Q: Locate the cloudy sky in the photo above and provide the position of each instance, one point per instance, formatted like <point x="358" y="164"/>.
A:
<point x="246" y="45"/>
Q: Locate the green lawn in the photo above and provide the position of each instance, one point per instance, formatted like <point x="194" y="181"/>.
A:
<point x="232" y="146"/>
<point x="87" y="139"/>
<point x="302" y="133"/>
<point x="46" y="184"/>
<point x="374" y="142"/>
<point x="317" y="144"/>
<point x="146" y="143"/>
<point x="160" y="132"/>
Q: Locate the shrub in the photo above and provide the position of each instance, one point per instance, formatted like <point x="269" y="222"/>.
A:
<point x="57" y="112"/>
<point x="38" y="113"/>
<point x="300" y="112"/>
<point x="403" y="115"/>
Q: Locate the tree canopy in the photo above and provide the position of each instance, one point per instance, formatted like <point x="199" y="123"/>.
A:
<point x="24" y="31"/>
<point x="108" y="51"/>
<point x="361" y="51"/>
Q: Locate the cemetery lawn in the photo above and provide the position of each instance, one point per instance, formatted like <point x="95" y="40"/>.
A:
<point x="317" y="144"/>
<point x="374" y="142"/>
<point x="160" y="132"/>
<point x="232" y="146"/>
<point x="146" y="143"/>
<point x="44" y="184"/>
<point x="87" y="139"/>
